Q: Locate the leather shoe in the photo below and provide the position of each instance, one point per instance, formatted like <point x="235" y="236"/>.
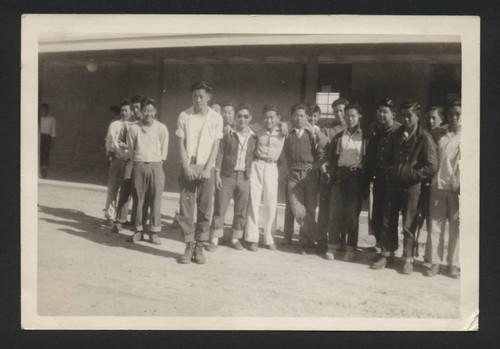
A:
<point x="188" y="253"/>
<point x="154" y="239"/>
<point x="349" y="256"/>
<point x="252" y="246"/>
<point x="407" y="268"/>
<point x="379" y="263"/>
<point x="271" y="247"/>
<point x="198" y="256"/>
<point x="211" y="247"/>
<point x="116" y="228"/>
<point x="328" y="256"/>
<point x="432" y="271"/>
<point x="136" y="237"/>
<point x="454" y="272"/>
<point x="237" y="245"/>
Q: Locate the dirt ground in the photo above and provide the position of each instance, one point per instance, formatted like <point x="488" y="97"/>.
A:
<point x="84" y="269"/>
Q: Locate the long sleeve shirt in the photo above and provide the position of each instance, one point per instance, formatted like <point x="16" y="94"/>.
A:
<point x="148" y="143"/>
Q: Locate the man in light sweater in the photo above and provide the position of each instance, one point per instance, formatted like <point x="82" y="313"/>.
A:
<point x="148" y="147"/>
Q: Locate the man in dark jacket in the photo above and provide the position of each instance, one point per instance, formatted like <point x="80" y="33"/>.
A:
<point x="377" y="162"/>
<point x="232" y="178"/>
<point x="412" y="158"/>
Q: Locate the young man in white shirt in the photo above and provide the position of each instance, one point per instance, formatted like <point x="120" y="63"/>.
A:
<point x="47" y="137"/>
<point x="118" y="153"/>
<point x="199" y="131"/>
<point x="148" y="147"/>
<point x="445" y="194"/>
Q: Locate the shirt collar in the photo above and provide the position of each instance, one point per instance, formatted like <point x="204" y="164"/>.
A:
<point x="357" y="130"/>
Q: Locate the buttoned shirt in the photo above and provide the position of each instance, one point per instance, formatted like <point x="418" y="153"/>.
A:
<point x="269" y="144"/>
<point x="242" y="150"/>
<point x="199" y="132"/>
<point x="48" y="125"/>
<point x="448" y="152"/>
<point x="148" y="143"/>
<point x="351" y="148"/>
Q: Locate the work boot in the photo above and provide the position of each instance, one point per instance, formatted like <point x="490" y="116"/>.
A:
<point x="154" y="239"/>
<point x="407" y="268"/>
<point x="198" y="256"/>
<point x="432" y="271"/>
<point x="379" y="263"/>
<point x="188" y="253"/>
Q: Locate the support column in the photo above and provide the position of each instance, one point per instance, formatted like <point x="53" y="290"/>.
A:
<point x="311" y="78"/>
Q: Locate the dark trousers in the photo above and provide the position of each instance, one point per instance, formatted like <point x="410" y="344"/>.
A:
<point x="236" y="186"/>
<point x="325" y="190"/>
<point x="379" y="199"/>
<point x="201" y="192"/>
<point x="125" y="196"/>
<point x="45" y="143"/>
<point x="289" y="218"/>
<point x="302" y="188"/>
<point x="345" y="205"/>
<point x="149" y="181"/>
<point x="404" y="200"/>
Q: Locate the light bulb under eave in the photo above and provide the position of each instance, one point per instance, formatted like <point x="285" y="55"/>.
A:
<point x="92" y="67"/>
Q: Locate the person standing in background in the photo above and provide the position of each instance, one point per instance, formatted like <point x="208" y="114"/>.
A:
<point x="47" y="137"/>
<point x="118" y="154"/>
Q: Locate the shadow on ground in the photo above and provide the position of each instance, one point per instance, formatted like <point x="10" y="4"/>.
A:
<point x="94" y="229"/>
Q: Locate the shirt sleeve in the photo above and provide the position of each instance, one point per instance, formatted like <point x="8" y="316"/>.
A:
<point x="53" y="127"/>
<point x="181" y="125"/>
<point x="218" y="127"/>
<point x="164" y="142"/>
<point x="109" y="139"/>
<point x="130" y="142"/>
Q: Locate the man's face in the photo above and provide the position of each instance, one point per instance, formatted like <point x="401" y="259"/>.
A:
<point x="314" y="118"/>
<point x="148" y="113"/>
<point x="338" y="112"/>
<point x="352" y="118"/>
<point x="455" y="116"/>
<point x="385" y="116"/>
<point x="243" y="118"/>
<point x="434" y="119"/>
<point x="126" y="112"/>
<point x="299" y="118"/>
<point x="200" y="99"/>
<point x="228" y="115"/>
<point x="270" y="119"/>
<point x="136" y="109"/>
<point x="410" y="119"/>
<point x="44" y="111"/>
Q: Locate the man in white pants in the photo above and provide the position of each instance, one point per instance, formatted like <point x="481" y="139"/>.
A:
<point x="264" y="179"/>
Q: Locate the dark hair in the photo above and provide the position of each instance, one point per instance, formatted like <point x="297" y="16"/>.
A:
<point x="229" y="104"/>
<point x="339" y="102"/>
<point x="298" y="106"/>
<point x="44" y="105"/>
<point x="148" y="100"/>
<point x="412" y="105"/>
<point x="114" y="109"/>
<point x="201" y="85"/>
<point x="125" y="102"/>
<point x="439" y="109"/>
<point x="136" y="99"/>
<point x="389" y="103"/>
<point x="213" y="103"/>
<point x="313" y="108"/>
<point x="271" y="107"/>
<point x="454" y="103"/>
<point x="354" y="106"/>
<point x="241" y="106"/>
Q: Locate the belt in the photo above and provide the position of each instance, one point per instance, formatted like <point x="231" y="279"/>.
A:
<point x="349" y="168"/>
<point x="269" y="161"/>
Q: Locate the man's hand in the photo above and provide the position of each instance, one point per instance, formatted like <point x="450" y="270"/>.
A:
<point x="218" y="180"/>
<point x="283" y="128"/>
<point x="227" y="130"/>
<point x="190" y="173"/>
<point x="205" y="173"/>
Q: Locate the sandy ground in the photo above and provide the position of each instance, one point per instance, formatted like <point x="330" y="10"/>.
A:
<point x="84" y="269"/>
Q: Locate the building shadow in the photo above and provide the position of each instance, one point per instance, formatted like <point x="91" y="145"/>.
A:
<point x="93" y="229"/>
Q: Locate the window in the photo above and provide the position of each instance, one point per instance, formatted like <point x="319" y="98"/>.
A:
<point x="324" y="100"/>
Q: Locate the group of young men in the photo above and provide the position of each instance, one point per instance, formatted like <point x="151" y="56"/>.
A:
<point x="411" y="167"/>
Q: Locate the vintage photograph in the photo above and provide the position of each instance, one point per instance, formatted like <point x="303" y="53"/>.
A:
<point x="235" y="172"/>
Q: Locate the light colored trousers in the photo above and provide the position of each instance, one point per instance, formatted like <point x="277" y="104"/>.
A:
<point x="443" y="205"/>
<point x="115" y="178"/>
<point x="263" y="184"/>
